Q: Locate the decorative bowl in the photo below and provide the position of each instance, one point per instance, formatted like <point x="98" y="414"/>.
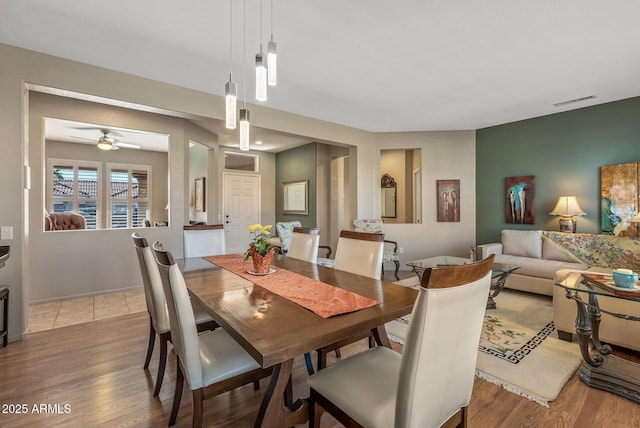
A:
<point x="625" y="278"/>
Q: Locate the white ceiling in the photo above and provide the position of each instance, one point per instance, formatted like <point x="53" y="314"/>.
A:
<point x="381" y="66"/>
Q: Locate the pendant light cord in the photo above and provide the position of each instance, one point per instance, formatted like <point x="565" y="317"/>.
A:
<point x="230" y="38"/>
<point x="244" y="54"/>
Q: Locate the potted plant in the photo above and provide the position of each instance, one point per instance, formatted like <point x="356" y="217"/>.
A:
<point x="260" y="249"/>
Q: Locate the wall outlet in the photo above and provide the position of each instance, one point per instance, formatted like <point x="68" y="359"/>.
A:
<point x="400" y="250"/>
<point x="6" y="233"/>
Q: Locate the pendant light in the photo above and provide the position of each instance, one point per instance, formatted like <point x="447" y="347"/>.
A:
<point x="230" y="89"/>
<point x="244" y="113"/>
<point x="271" y="56"/>
<point x="261" y="69"/>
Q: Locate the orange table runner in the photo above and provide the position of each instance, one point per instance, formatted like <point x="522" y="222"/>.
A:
<point x="323" y="299"/>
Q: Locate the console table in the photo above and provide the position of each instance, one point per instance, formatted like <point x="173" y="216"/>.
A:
<point x="601" y="369"/>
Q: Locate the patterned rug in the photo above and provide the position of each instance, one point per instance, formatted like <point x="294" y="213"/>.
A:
<point x="518" y="349"/>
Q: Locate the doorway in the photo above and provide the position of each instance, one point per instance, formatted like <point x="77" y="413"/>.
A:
<point x="241" y="208"/>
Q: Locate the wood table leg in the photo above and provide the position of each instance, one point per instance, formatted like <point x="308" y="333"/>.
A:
<point x="380" y="335"/>
<point x="273" y="412"/>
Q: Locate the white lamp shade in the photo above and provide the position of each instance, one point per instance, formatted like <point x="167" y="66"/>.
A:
<point x="567" y="206"/>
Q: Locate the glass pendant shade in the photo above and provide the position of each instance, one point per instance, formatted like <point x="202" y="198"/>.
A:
<point x="230" y="91"/>
<point x="261" y="78"/>
<point x="272" y="56"/>
<point x="244" y="129"/>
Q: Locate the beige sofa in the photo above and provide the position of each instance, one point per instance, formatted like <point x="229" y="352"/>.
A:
<point x="537" y="258"/>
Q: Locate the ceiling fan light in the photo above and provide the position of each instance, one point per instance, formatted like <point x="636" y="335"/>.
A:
<point x="105" y="143"/>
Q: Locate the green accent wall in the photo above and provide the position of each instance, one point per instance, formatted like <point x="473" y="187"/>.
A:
<point x="564" y="151"/>
<point x="296" y="165"/>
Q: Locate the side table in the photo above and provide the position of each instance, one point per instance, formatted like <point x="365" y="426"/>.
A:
<point x="601" y="369"/>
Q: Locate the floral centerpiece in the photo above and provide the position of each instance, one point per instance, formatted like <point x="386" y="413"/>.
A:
<point x="260" y="249"/>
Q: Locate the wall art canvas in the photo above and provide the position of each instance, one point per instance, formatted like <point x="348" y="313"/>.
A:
<point x="448" y="200"/>
<point x="520" y="197"/>
<point x="619" y="198"/>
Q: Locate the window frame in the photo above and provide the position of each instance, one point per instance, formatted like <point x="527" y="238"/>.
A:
<point x="110" y="166"/>
<point x="75" y="199"/>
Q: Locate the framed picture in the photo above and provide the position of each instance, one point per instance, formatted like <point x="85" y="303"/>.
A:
<point x="295" y="197"/>
<point x="200" y="202"/>
<point x="448" y="192"/>
<point x="520" y="197"/>
<point x="619" y="198"/>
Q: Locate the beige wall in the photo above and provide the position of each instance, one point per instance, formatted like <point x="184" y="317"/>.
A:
<point x="20" y="69"/>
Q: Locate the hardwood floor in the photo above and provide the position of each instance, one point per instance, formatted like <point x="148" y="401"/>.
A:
<point x="91" y="375"/>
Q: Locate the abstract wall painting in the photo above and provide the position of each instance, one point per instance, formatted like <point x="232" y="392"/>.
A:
<point x="619" y="198"/>
<point x="448" y="200"/>
<point x="520" y="196"/>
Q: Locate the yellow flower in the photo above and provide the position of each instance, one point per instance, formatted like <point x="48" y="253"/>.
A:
<point x="254" y="227"/>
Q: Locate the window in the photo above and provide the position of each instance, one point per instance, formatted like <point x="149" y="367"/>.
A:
<point x="74" y="188"/>
<point x="129" y="195"/>
<point x="79" y="186"/>
<point x="241" y="161"/>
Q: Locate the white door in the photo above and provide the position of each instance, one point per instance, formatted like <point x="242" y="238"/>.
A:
<point x="241" y="208"/>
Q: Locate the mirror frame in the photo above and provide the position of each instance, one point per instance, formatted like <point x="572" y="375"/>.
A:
<point x="387" y="182"/>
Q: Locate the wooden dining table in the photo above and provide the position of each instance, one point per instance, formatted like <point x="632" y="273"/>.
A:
<point x="274" y="330"/>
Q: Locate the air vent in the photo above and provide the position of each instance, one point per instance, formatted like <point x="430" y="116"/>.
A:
<point x="577" y="100"/>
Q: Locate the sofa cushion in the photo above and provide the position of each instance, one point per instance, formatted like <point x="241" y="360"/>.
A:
<point x="539" y="268"/>
<point x="524" y="243"/>
<point x="551" y="252"/>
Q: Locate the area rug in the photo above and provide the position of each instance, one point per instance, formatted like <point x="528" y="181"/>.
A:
<point x="516" y="349"/>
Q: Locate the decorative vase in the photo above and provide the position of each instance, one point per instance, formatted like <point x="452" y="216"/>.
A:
<point x="261" y="264"/>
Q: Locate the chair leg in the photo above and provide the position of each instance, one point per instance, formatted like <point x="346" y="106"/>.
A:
<point x="338" y="354"/>
<point x="322" y="359"/>
<point x="177" y="395"/>
<point x="307" y="360"/>
<point x="256" y="385"/>
<point x="314" y="418"/>
<point x="397" y="269"/>
<point x="152" y="341"/>
<point x="162" y="362"/>
<point x="198" y="397"/>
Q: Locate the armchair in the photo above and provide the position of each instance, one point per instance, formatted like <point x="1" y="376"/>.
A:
<point x="64" y="221"/>
<point x="284" y="229"/>
<point x="375" y="226"/>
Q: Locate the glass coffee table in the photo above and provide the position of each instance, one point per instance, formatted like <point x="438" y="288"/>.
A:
<point x="601" y="369"/>
<point x="499" y="272"/>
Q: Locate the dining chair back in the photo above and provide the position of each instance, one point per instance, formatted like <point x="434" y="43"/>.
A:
<point x="360" y="253"/>
<point x="157" y="308"/>
<point x="304" y="244"/>
<point x="435" y="372"/>
<point x="211" y="362"/>
<point x="204" y="240"/>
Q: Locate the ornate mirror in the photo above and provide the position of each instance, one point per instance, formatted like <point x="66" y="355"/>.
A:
<point x="388" y="189"/>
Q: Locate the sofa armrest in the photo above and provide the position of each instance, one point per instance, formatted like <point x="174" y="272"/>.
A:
<point x="488" y="249"/>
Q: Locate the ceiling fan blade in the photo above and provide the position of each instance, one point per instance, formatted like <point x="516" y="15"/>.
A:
<point x="83" y="138"/>
<point x="127" y="145"/>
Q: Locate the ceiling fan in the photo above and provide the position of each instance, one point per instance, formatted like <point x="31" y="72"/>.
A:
<point x="106" y="142"/>
<point x="109" y="143"/>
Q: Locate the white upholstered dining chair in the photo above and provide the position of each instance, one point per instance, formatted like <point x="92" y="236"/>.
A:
<point x="213" y="362"/>
<point x="157" y="308"/>
<point x="430" y="383"/>
<point x="304" y="244"/>
<point x="203" y="240"/>
<point x="359" y="253"/>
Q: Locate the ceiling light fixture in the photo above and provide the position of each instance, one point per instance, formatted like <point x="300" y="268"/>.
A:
<point x="244" y="113"/>
<point x="230" y="89"/>
<point x="261" y="69"/>
<point x="105" y="143"/>
<point x="272" y="55"/>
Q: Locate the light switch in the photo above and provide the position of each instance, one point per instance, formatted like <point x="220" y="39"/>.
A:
<point x="6" y="233"/>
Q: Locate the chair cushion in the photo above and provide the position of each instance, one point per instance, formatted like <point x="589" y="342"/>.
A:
<point x="368" y="225"/>
<point x="389" y="256"/>
<point x="285" y="230"/>
<point x="525" y="243"/>
<point x="325" y="262"/>
<point x="222" y="357"/>
<point x="364" y="386"/>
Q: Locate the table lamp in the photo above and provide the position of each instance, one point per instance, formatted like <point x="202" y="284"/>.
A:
<point x="567" y="207"/>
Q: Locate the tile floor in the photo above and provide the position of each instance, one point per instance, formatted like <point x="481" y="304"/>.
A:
<point x="46" y="316"/>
